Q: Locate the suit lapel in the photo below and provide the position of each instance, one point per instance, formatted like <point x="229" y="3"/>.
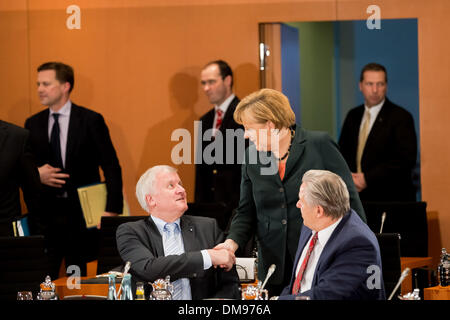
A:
<point x="208" y="120"/>
<point x="329" y="247"/>
<point x="42" y="135"/>
<point x="155" y="237"/>
<point x="305" y="234"/>
<point x="188" y="233"/>
<point x="297" y="149"/>
<point x="228" y="118"/>
<point x="74" y="127"/>
<point x="378" y="125"/>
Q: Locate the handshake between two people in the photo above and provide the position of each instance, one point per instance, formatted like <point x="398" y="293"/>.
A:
<point x="223" y="256"/>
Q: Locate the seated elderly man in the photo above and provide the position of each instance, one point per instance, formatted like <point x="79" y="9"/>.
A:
<point x="337" y="253"/>
<point x="170" y="243"/>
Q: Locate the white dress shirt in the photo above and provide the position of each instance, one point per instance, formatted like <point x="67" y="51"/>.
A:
<point x="322" y="240"/>
<point x="63" y="120"/>
<point x="207" y="263"/>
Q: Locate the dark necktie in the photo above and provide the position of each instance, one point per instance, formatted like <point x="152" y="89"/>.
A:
<point x="298" y="280"/>
<point x="55" y="143"/>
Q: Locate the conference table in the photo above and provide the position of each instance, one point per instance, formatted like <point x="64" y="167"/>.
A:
<point x="90" y="286"/>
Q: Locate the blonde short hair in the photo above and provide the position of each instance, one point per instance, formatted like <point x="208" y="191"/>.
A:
<point x="266" y="105"/>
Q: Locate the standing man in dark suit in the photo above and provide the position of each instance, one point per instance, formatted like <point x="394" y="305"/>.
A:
<point x="338" y="257"/>
<point x="70" y="143"/>
<point x="218" y="176"/>
<point x="171" y="244"/>
<point x="378" y="141"/>
<point x="17" y="171"/>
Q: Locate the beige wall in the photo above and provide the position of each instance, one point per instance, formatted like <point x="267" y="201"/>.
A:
<point x="138" y="63"/>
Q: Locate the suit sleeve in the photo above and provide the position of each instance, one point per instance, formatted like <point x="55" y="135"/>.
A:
<point x="109" y="164"/>
<point x="134" y="247"/>
<point x="334" y="162"/>
<point x="31" y="187"/>
<point x="228" y="281"/>
<point x="242" y="225"/>
<point x="347" y="142"/>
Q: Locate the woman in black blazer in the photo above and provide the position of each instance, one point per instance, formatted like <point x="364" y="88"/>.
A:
<point x="271" y="176"/>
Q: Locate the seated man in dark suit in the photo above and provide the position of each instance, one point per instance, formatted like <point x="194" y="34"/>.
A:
<point x="338" y="256"/>
<point x="168" y="243"/>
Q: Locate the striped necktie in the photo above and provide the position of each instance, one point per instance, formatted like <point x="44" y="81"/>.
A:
<point x="172" y="246"/>
<point x="298" y="280"/>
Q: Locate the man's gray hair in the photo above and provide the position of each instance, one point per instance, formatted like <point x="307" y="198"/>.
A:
<point x="146" y="183"/>
<point x="328" y="190"/>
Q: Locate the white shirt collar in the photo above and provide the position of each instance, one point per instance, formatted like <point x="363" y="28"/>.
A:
<point x="225" y="104"/>
<point x="160" y="223"/>
<point x="325" y="234"/>
<point x="65" y="110"/>
<point x="374" y="110"/>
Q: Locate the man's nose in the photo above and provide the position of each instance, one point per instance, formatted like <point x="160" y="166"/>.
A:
<point x="180" y="189"/>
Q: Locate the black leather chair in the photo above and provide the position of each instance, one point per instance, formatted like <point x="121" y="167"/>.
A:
<point x="108" y="255"/>
<point x="409" y="219"/>
<point x="24" y="264"/>
<point x="390" y="258"/>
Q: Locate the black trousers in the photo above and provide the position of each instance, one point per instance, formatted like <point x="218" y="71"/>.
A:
<point x="67" y="237"/>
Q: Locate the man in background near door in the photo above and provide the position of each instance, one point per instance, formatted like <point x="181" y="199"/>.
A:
<point x="70" y="143"/>
<point x="378" y="141"/>
<point x="219" y="181"/>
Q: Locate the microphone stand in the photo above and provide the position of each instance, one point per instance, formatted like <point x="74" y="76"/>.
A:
<point x="402" y="277"/>
<point x="269" y="274"/>
<point x="125" y="271"/>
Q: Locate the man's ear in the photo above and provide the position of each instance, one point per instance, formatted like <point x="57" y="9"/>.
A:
<point x="227" y="81"/>
<point x="66" y="87"/>
<point x="150" y="201"/>
<point x="319" y="211"/>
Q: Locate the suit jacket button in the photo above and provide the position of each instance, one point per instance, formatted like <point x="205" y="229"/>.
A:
<point x="283" y="205"/>
<point x="281" y="189"/>
<point x="195" y="275"/>
<point x="284" y="221"/>
<point x="214" y="171"/>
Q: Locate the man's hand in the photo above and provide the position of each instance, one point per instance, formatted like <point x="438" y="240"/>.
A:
<point x="229" y="245"/>
<point x="106" y="214"/>
<point x="359" y="181"/>
<point x="222" y="258"/>
<point x="51" y="176"/>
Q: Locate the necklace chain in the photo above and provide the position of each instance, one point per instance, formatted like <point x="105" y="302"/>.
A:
<point x="290" y="144"/>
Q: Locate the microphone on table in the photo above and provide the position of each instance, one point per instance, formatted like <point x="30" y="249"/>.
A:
<point x="269" y="274"/>
<point x="125" y="271"/>
<point x="383" y="217"/>
<point x="402" y="277"/>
